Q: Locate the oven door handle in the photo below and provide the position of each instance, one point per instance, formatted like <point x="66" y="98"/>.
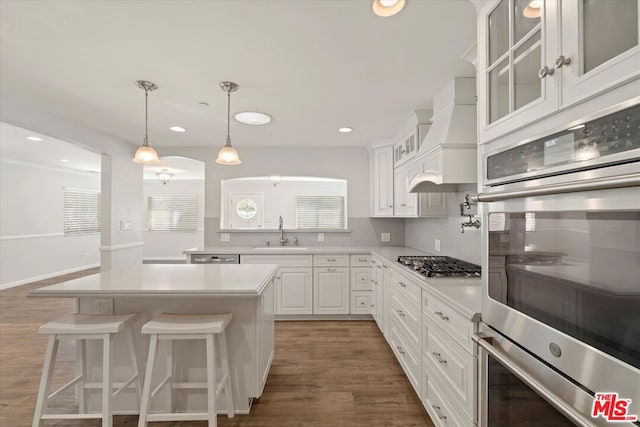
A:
<point x="556" y="401"/>
<point x="620" y="181"/>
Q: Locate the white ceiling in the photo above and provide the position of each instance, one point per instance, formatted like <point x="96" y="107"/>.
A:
<point x="313" y="65"/>
<point x="15" y="147"/>
<point x="182" y="168"/>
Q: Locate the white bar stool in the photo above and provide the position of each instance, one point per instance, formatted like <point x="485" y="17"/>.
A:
<point x="82" y="327"/>
<point x="189" y="327"/>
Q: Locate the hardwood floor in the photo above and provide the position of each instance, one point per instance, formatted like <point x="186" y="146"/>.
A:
<point x="323" y="373"/>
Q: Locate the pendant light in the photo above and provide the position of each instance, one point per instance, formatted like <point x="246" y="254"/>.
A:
<point x="146" y="154"/>
<point x="164" y="176"/>
<point x="533" y="9"/>
<point x="386" y="8"/>
<point x="228" y="155"/>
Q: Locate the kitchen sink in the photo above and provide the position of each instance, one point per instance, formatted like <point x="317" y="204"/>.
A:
<point x="280" y="248"/>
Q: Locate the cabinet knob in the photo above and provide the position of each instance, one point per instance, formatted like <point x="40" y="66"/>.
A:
<point x="562" y="61"/>
<point x="390" y="206"/>
<point x="545" y="71"/>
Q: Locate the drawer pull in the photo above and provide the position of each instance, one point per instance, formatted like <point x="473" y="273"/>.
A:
<point x="400" y="350"/>
<point x="402" y="285"/>
<point x="438" y="413"/>
<point x="331" y="259"/>
<point x="331" y="269"/>
<point x="372" y="305"/>
<point x="439" y="358"/>
<point x="441" y="315"/>
<point x="384" y="266"/>
<point x="362" y="259"/>
<point x="379" y="267"/>
<point x="400" y="313"/>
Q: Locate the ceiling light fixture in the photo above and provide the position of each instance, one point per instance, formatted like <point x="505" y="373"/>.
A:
<point x="34" y="138"/>
<point x="345" y="129"/>
<point x="164" y="176"/>
<point x="227" y="154"/>
<point x="386" y="8"/>
<point x="533" y="9"/>
<point x="275" y="179"/>
<point x="254" y="118"/>
<point x="145" y="153"/>
<point x="179" y="129"/>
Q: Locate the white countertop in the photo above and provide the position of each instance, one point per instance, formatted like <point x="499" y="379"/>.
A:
<point x="278" y="250"/>
<point x="168" y="280"/>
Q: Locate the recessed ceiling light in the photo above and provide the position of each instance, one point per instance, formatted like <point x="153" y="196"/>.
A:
<point x="178" y="129"/>
<point x="387" y="8"/>
<point x="252" y="118"/>
<point x="345" y="129"/>
<point x="64" y="160"/>
<point x="34" y="138"/>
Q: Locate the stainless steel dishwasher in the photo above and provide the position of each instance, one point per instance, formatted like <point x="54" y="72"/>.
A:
<point x="214" y="259"/>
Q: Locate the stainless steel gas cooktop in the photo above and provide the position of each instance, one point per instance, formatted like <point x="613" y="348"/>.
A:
<point x="440" y="266"/>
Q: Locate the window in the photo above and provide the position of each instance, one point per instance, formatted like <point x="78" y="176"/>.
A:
<point x="81" y="211"/>
<point x="172" y="213"/>
<point x="246" y="209"/>
<point x="325" y="212"/>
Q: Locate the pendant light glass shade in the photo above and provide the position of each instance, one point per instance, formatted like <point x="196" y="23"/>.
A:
<point x="146" y="154"/>
<point x="227" y="154"/>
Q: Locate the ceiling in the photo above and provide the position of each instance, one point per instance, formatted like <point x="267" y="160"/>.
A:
<point x="313" y="65"/>
<point x="182" y="168"/>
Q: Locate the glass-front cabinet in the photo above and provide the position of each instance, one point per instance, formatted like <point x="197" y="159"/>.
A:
<point x="536" y="56"/>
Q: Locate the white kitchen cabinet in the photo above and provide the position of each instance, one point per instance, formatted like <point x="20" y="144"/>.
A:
<point x="377" y="309"/>
<point x="360" y="302"/>
<point x="530" y="67"/>
<point x="360" y="278"/>
<point x="381" y="176"/>
<point x="331" y="290"/>
<point x="410" y="135"/>
<point x="412" y="205"/>
<point x="294" y="290"/>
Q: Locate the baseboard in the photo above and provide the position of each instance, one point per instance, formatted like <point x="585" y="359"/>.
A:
<point x="164" y="260"/>
<point x="21" y="282"/>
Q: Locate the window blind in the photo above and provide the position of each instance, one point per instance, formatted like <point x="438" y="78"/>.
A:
<point x="320" y="212"/>
<point x="81" y="211"/>
<point x="172" y="213"/>
<point x="496" y="221"/>
<point x="530" y="221"/>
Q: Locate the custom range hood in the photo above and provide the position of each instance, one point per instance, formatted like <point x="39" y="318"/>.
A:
<point x="448" y="152"/>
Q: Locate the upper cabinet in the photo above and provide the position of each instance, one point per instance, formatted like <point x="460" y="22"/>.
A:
<point x="537" y="56"/>
<point x="410" y="135"/>
<point x="381" y="181"/>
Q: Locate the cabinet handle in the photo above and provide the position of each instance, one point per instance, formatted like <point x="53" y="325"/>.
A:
<point x="331" y="259"/>
<point x="438" y="413"/>
<point x="545" y="71"/>
<point x="561" y="61"/>
<point x="384" y="266"/>
<point x="379" y="267"/>
<point x="331" y="269"/>
<point x="439" y="358"/>
<point x="390" y="206"/>
<point x="441" y="315"/>
<point x="372" y="305"/>
<point x="403" y="204"/>
<point x="400" y="313"/>
<point x="362" y="259"/>
<point x="402" y="285"/>
<point x="400" y="350"/>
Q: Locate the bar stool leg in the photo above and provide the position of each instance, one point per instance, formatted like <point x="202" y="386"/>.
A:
<point x="82" y="361"/>
<point x="107" y="388"/>
<point x="134" y="363"/>
<point x="211" y="380"/>
<point x="45" y="381"/>
<point x="146" y="390"/>
<point x="226" y="375"/>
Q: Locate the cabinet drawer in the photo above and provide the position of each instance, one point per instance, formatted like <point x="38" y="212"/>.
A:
<point x="408" y="316"/>
<point x="331" y="260"/>
<point x="360" y="260"/>
<point x="407" y="354"/>
<point x="360" y="278"/>
<point x="361" y="302"/>
<point x="452" y="323"/>
<point x="411" y="291"/>
<point x="441" y="411"/>
<point x="281" y="260"/>
<point x="451" y="363"/>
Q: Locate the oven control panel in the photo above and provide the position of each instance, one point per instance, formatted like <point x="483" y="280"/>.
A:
<point x="588" y="145"/>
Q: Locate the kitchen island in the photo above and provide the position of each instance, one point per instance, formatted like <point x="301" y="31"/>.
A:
<point x="245" y="291"/>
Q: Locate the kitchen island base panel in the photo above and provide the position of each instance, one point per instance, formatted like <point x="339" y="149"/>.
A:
<point x="250" y="340"/>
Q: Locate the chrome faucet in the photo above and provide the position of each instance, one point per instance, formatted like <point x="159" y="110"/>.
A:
<point x="283" y="240"/>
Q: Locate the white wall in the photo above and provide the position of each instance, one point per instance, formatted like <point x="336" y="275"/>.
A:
<point x="420" y="233"/>
<point x="280" y="200"/>
<point x="121" y="179"/>
<point x="349" y="163"/>
<point x="32" y="241"/>
<point x="168" y="245"/>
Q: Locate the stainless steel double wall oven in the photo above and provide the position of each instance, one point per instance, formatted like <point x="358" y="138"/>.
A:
<point x="561" y="304"/>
